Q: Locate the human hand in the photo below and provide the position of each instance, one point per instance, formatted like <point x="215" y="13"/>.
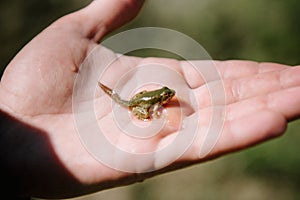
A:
<point x="37" y="88"/>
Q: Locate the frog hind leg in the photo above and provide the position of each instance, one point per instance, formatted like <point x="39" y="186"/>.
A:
<point x="140" y="113"/>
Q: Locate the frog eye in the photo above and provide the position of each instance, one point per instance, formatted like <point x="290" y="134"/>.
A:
<point x="166" y="93"/>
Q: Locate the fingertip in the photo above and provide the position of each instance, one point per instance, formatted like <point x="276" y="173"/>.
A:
<point x="277" y="124"/>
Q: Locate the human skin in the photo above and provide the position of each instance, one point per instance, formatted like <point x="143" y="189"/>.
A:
<point x="41" y="152"/>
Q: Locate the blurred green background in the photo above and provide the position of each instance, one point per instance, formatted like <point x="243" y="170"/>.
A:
<point x="257" y="30"/>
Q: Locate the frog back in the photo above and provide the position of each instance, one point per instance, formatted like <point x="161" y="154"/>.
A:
<point x="144" y="99"/>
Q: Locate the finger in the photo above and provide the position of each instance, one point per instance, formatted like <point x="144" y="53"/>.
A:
<point x="238" y="134"/>
<point x="250" y="130"/>
<point x="103" y="16"/>
<point x="235" y="69"/>
<point x="285" y="102"/>
<point x="261" y="84"/>
<point x="250" y="86"/>
<point x="209" y="71"/>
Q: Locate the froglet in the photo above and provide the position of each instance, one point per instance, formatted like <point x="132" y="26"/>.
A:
<point x="141" y="103"/>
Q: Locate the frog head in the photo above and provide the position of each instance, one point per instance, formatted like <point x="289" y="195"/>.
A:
<point x="166" y="94"/>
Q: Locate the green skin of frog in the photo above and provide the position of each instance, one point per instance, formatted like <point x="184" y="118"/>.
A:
<point x="142" y="101"/>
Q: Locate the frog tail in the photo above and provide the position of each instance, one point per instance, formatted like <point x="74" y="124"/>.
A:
<point x="113" y="95"/>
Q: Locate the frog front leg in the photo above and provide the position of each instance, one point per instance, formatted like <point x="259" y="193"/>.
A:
<point x="155" y="111"/>
<point x="140" y="112"/>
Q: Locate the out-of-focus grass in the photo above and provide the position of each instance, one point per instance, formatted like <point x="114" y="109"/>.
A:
<point x="20" y="21"/>
<point x="256" y="30"/>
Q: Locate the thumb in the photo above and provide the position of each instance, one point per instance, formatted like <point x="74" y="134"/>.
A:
<point x="103" y="16"/>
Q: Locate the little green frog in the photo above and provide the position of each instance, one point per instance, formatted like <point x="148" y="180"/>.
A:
<point x="141" y="103"/>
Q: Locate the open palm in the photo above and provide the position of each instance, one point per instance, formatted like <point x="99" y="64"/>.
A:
<point x="37" y="88"/>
